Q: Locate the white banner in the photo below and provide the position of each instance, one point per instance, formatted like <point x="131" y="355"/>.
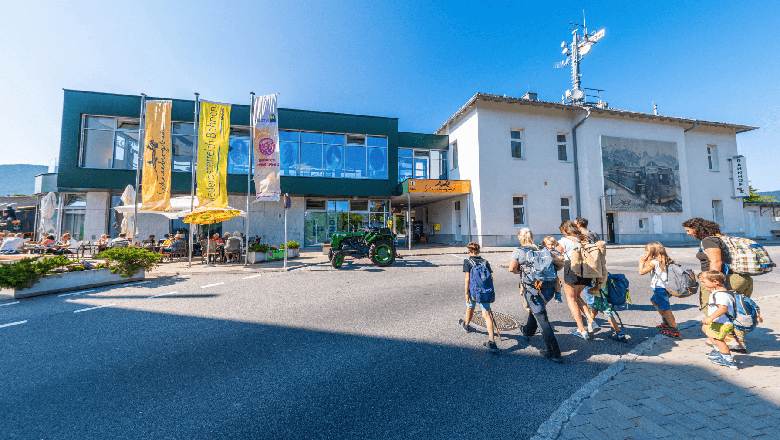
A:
<point x="739" y="173"/>
<point x="265" y="130"/>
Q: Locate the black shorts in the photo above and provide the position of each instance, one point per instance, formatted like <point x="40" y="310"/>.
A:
<point x="573" y="279"/>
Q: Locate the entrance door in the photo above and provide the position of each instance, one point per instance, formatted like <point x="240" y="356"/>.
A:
<point x="752" y="224"/>
<point x="611" y="227"/>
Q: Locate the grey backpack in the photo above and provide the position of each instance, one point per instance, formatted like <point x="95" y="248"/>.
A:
<point x="681" y="282"/>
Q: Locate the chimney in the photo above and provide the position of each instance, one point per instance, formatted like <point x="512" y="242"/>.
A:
<point x="530" y="96"/>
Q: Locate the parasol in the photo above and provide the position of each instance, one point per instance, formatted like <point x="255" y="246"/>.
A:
<point x="209" y="216"/>
<point x="128" y="222"/>
<point x="48" y="206"/>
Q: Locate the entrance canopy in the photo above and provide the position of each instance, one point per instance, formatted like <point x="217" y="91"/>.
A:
<point x="419" y="192"/>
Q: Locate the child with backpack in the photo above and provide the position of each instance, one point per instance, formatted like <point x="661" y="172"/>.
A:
<point x="479" y="289"/>
<point x="597" y="301"/>
<point x="719" y="322"/>
<point x="538" y="268"/>
<point x="552" y="244"/>
<point x="656" y="262"/>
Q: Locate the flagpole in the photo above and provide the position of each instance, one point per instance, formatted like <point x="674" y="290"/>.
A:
<point x="141" y="149"/>
<point x="192" y="186"/>
<point x="249" y="172"/>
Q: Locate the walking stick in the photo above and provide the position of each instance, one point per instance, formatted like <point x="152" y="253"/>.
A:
<point x="495" y="325"/>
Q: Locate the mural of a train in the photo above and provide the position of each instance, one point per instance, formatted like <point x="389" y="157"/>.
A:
<point x="656" y="184"/>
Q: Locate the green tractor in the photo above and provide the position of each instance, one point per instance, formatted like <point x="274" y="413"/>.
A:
<point x="378" y="244"/>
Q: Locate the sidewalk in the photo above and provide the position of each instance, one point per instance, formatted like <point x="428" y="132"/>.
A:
<point x="668" y="389"/>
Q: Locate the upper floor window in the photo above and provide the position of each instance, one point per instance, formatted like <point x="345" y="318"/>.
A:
<point x="316" y="154"/>
<point x="454" y="150"/>
<point x="183" y="145"/>
<point x="518" y="207"/>
<point x="516" y="141"/>
<point x="421" y="164"/>
<point x="562" y="153"/>
<point x="712" y="157"/>
<point x="109" y="143"/>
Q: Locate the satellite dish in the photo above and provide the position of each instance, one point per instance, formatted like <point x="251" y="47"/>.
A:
<point x="565" y="49"/>
<point x="577" y="94"/>
<point x="563" y="44"/>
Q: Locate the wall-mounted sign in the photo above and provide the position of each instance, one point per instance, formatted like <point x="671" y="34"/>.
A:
<point x="739" y="174"/>
<point x="439" y="186"/>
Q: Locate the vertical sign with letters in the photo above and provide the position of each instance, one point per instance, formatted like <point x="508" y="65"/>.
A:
<point x="739" y="174"/>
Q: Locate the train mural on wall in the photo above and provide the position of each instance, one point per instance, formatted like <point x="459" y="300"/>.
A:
<point x="641" y="175"/>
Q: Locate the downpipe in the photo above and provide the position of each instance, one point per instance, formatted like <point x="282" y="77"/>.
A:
<point x="577" y="162"/>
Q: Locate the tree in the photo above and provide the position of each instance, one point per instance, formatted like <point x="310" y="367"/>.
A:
<point x="755" y="197"/>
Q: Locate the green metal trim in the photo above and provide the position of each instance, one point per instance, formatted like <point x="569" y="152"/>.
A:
<point x="423" y="141"/>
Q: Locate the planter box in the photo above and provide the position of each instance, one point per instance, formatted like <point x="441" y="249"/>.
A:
<point x="279" y="255"/>
<point x="256" y="257"/>
<point x="64" y="282"/>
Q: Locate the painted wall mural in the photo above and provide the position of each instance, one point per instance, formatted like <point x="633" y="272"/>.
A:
<point x="640" y="175"/>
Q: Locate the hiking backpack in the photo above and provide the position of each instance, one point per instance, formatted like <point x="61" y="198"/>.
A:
<point x="615" y="290"/>
<point x="588" y="260"/>
<point x="481" y="283"/>
<point x="747" y="256"/>
<point x="539" y="273"/>
<point x="681" y="282"/>
<point x="747" y="313"/>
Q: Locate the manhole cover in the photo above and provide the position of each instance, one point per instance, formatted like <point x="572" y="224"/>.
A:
<point x="503" y="322"/>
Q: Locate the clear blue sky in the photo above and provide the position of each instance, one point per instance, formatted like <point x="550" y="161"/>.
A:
<point x="417" y="61"/>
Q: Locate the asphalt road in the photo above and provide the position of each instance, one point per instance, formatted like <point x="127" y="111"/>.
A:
<point x="358" y="353"/>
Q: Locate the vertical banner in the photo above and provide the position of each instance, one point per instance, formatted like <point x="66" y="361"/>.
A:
<point x="156" y="185"/>
<point x="739" y="173"/>
<point x="265" y="129"/>
<point x="213" y="146"/>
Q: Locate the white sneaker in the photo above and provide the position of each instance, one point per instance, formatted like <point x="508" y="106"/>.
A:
<point x="594" y="327"/>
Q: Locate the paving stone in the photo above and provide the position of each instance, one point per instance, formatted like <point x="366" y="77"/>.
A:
<point x="595" y="402"/>
<point x="578" y="420"/>
<point x="638" y="433"/>
<point x="584" y="409"/>
<point x="657" y="406"/>
<point x="570" y="433"/>
<point x="653" y="428"/>
<point x="621" y="409"/>
<point x="590" y="432"/>
<point x="675" y="404"/>
<point x="681" y="432"/>
<point x="731" y="434"/>
<point x="599" y="421"/>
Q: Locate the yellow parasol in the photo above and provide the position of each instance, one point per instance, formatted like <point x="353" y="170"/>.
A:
<point x="208" y="216"/>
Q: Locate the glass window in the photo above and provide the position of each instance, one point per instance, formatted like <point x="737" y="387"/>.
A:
<point x="313" y="138"/>
<point x="358" y="205"/>
<point x="315" y="204"/>
<point x="454" y="149"/>
<point x="334" y="160"/>
<point x="377" y="141"/>
<point x="125" y="150"/>
<point x="565" y="214"/>
<point x="378" y="206"/>
<point x="97" y="123"/>
<point x="355" y="162"/>
<point x="97" y="149"/>
<point x="377" y="163"/>
<point x="333" y="139"/>
<point x="420" y="164"/>
<point x="238" y="155"/>
<point x="518" y="206"/>
<point x="712" y="157"/>
<point x="109" y="143"/>
<point x="405" y="152"/>
<point x="356" y="139"/>
<point x="311" y="160"/>
<point x="438" y="164"/>
<point x="289" y="157"/>
<point x="289" y="136"/>
<point x="516" y="143"/>
<point x="562" y="153"/>
<point x="182" y="143"/>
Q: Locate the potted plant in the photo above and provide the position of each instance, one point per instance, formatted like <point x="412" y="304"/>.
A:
<point x="274" y="253"/>
<point x="257" y="253"/>
<point x="293" y="249"/>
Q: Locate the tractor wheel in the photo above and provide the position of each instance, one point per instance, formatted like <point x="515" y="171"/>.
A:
<point x="330" y="254"/>
<point x="382" y="253"/>
<point x="337" y="260"/>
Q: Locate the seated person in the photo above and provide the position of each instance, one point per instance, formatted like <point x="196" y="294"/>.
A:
<point x="233" y="247"/>
<point x="176" y="247"/>
<point x="102" y="244"/>
<point x="213" y="248"/>
<point x="120" y="241"/>
<point x="166" y="241"/>
<point x="12" y="244"/>
<point x="149" y="244"/>
<point x="66" y="245"/>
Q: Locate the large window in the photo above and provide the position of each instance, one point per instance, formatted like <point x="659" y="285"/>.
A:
<point x="421" y="164"/>
<point x="518" y="208"/>
<point x="182" y="142"/>
<point x="110" y="143"/>
<point x="352" y="156"/>
<point x="562" y="153"/>
<point x="238" y="156"/>
<point x="325" y="217"/>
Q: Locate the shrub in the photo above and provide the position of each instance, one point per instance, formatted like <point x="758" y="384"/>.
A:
<point x="26" y="272"/>
<point x="292" y="244"/>
<point x="129" y="260"/>
<point x="273" y="248"/>
<point x="257" y="247"/>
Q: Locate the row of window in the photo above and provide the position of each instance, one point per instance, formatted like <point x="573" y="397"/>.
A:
<point x="518" y="151"/>
<point x="519" y="209"/>
<point x="353" y="156"/>
<point x="422" y="164"/>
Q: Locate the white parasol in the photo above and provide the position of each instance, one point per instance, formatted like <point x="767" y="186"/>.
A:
<point x="180" y="206"/>
<point x="48" y="207"/>
<point x="128" y="222"/>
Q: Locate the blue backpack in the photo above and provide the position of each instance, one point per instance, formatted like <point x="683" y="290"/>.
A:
<point x="539" y="272"/>
<point x="747" y="313"/>
<point x="481" y="283"/>
<point x="617" y="291"/>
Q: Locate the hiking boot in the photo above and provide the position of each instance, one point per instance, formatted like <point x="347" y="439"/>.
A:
<point x="491" y="346"/>
<point x="464" y="326"/>
<point x="584" y="335"/>
<point x="724" y="362"/>
<point x="594" y="327"/>
<point x="618" y="337"/>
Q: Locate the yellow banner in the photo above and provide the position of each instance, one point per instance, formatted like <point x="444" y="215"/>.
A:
<point x="439" y="186"/>
<point x="213" y="147"/>
<point x="156" y="184"/>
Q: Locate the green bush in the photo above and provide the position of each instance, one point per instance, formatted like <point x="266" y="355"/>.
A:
<point x="273" y="248"/>
<point x="292" y="244"/>
<point x="26" y="272"/>
<point x="129" y="260"/>
<point x="257" y="247"/>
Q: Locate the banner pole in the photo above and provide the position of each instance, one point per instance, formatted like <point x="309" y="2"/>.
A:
<point x="194" y="226"/>
<point x="141" y="148"/>
<point x="285" y="232"/>
<point x="249" y="173"/>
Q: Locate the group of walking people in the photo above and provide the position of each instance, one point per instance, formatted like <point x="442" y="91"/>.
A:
<point x="539" y="265"/>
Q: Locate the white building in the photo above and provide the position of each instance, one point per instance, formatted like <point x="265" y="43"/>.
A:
<point x="533" y="163"/>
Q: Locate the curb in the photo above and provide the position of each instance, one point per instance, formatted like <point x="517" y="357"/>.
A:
<point x="551" y="429"/>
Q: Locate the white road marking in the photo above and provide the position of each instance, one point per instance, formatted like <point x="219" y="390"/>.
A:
<point x="93" y="308"/>
<point x="76" y="293"/>
<point x="210" y="285"/>
<point x="10" y="304"/>
<point x="163" y="294"/>
<point x="135" y="284"/>
<point x="459" y="258"/>
<point x="13" y="323"/>
<point x="252" y="276"/>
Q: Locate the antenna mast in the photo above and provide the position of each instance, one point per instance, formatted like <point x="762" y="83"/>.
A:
<point x="579" y="47"/>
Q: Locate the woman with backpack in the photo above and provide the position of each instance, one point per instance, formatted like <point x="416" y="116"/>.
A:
<point x="538" y="267"/>
<point x="714" y="255"/>
<point x="573" y="285"/>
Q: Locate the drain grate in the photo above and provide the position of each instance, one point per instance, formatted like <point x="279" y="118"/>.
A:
<point x="503" y="322"/>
